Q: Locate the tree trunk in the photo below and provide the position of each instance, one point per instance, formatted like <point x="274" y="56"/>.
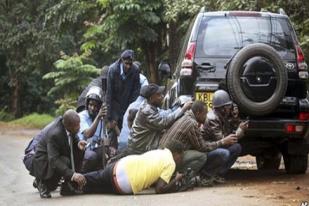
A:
<point x="150" y="50"/>
<point x="174" y="44"/>
<point x="15" y="107"/>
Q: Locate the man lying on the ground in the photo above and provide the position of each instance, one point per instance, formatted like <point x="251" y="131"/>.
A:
<point x="134" y="173"/>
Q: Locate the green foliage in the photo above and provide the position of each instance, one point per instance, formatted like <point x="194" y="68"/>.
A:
<point x="72" y="74"/>
<point x="34" y="120"/>
<point x="65" y="103"/>
<point x="34" y="32"/>
<point x="176" y="10"/>
<point x="5" y="116"/>
<point x="130" y="22"/>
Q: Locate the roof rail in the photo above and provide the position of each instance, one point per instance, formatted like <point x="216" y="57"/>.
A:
<point x="281" y="11"/>
<point x="202" y="9"/>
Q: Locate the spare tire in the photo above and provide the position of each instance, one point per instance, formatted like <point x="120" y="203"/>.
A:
<point x="257" y="79"/>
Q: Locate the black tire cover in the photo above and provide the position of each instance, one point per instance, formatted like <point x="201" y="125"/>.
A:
<point x="275" y="73"/>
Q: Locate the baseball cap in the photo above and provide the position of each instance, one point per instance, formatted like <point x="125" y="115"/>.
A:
<point x="127" y="54"/>
<point x="148" y="90"/>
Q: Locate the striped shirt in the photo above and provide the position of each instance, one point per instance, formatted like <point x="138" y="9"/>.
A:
<point x="186" y="130"/>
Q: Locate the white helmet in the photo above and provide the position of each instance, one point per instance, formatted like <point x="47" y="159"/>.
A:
<point x="94" y="93"/>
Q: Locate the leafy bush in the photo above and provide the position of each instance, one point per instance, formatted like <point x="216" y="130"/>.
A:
<point x="71" y="75"/>
<point x="34" y="120"/>
<point x="5" y="116"/>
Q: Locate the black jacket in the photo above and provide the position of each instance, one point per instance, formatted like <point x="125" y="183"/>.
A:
<point x="120" y="93"/>
<point x="52" y="152"/>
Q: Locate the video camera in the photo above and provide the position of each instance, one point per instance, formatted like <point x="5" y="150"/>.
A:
<point x="189" y="181"/>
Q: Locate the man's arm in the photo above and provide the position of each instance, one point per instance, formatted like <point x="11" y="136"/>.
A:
<point x="89" y="132"/>
<point x="136" y="87"/>
<point x="214" y="130"/>
<point x="109" y="93"/>
<point x="54" y="158"/>
<point x="161" y="120"/>
<point x="163" y="187"/>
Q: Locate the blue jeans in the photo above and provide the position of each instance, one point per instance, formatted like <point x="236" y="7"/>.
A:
<point x="220" y="160"/>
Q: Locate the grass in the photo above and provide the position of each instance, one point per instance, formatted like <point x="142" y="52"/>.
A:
<point x="33" y="120"/>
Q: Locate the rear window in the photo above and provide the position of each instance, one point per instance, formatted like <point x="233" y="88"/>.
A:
<point x="223" y="36"/>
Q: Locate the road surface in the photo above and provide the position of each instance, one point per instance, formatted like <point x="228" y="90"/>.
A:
<point x="245" y="185"/>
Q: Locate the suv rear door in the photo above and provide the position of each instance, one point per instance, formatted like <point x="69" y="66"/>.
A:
<point x="220" y="37"/>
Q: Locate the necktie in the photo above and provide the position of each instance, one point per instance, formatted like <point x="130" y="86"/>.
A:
<point x="71" y="152"/>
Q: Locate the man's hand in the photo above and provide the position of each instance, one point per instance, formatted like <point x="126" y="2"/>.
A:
<point x="82" y="145"/>
<point x="179" y="176"/>
<point x="112" y="151"/>
<point x="235" y="111"/>
<point x="112" y="124"/>
<point x="79" y="179"/>
<point x="187" y="106"/>
<point x="230" y="139"/>
<point x="103" y="111"/>
<point x="244" y="125"/>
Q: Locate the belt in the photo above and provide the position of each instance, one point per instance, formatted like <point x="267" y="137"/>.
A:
<point x="116" y="185"/>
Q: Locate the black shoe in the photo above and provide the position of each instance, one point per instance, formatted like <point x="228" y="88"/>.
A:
<point x="44" y="192"/>
<point x="69" y="189"/>
<point x="35" y="183"/>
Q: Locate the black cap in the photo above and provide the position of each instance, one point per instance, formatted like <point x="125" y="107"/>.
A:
<point x="127" y="54"/>
<point x="148" y="90"/>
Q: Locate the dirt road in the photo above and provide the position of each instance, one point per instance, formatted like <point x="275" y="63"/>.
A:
<point x="245" y="185"/>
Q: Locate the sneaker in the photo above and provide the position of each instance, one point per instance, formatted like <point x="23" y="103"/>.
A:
<point x="35" y="183"/>
<point x="206" y="182"/>
<point x="44" y="192"/>
<point x="219" y="180"/>
<point x="69" y="189"/>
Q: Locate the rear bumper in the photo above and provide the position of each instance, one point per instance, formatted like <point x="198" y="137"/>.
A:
<point x="278" y="128"/>
<point x="264" y="134"/>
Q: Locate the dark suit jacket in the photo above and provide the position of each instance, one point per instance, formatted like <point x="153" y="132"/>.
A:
<point x="52" y="155"/>
<point x="121" y="92"/>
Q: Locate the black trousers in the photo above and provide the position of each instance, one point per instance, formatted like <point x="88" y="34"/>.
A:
<point x="100" y="181"/>
<point x="92" y="160"/>
<point x="28" y="163"/>
<point x="52" y="181"/>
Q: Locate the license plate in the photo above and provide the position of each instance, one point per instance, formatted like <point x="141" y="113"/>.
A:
<point x="205" y="97"/>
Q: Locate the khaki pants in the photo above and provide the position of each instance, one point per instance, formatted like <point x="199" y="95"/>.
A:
<point x="193" y="159"/>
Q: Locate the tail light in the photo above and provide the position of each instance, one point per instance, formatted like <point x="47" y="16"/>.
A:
<point x="187" y="63"/>
<point x="303" y="116"/>
<point x="290" y="128"/>
<point x="190" y="51"/>
<point x="302" y="66"/>
<point x="245" y="13"/>
<point x="293" y="128"/>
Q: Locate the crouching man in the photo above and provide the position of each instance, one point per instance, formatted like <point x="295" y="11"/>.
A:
<point x="57" y="154"/>
<point x="219" y="131"/>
